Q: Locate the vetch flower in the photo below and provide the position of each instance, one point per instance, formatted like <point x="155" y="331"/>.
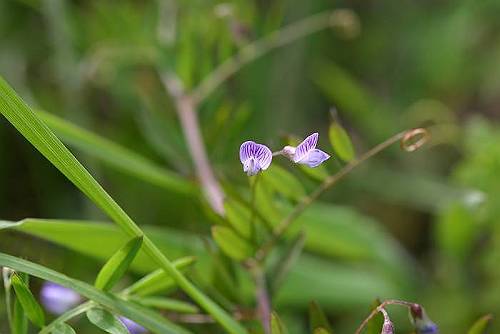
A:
<point x="132" y="326"/>
<point x="255" y="157"/>
<point x="58" y="299"/>
<point x="306" y="152"/>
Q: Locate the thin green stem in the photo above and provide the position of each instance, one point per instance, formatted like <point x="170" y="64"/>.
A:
<point x="253" y="209"/>
<point x="329" y="182"/>
<point x="67" y="316"/>
<point x="258" y="48"/>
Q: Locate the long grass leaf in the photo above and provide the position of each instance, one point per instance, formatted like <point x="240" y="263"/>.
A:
<point x="46" y="142"/>
<point x="117" y="265"/>
<point x="31" y="308"/>
<point x="141" y="315"/>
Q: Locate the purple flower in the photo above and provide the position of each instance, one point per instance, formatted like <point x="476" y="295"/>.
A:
<point x="255" y="157"/>
<point x="58" y="299"/>
<point x="132" y="326"/>
<point x="306" y="152"/>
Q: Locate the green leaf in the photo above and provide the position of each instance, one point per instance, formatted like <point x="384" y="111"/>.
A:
<point x="264" y="203"/>
<point x="317" y="318"/>
<point x="481" y="325"/>
<point x="285" y="262"/>
<point x="147" y="318"/>
<point x="231" y="243"/>
<point x="283" y="182"/>
<point x="118" y="264"/>
<point x="158" y="280"/>
<point x="19" y="319"/>
<point x="375" y="324"/>
<point x="239" y="217"/>
<point x="167" y="304"/>
<point x="102" y="239"/>
<point x="30" y="306"/>
<point x="116" y="156"/>
<point x="63" y="328"/>
<point x="341" y="142"/>
<point x="277" y="326"/>
<point x="106" y="321"/>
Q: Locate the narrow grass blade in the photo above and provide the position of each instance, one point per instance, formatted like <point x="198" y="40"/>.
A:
<point x="168" y="304"/>
<point x="158" y="280"/>
<point x="19" y="320"/>
<point x="106" y="321"/>
<point x="147" y="318"/>
<point x="31" y="307"/>
<point x="117" y="265"/>
<point x="45" y="141"/>
<point x="116" y="156"/>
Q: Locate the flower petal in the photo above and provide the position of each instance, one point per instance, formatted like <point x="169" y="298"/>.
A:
<point x="58" y="299"/>
<point x="263" y="156"/>
<point x="314" y="158"/>
<point x="307" y="145"/>
<point x="246" y="150"/>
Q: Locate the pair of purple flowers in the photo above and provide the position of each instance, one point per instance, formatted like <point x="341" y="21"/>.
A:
<point x="58" y="299"/>
<point x="256" y="157"/>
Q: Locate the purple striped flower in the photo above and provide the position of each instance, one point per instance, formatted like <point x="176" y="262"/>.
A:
<point x="306" y="152"/>
<point x="255" y="157"/>
<point x="58" y="299"/>
<point x="132" y="326"/>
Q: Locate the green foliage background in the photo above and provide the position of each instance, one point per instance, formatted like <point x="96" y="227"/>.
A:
<point x="422" y="226"/>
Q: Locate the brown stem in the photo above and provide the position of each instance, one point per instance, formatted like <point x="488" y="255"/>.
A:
<point x="262" y="294"/>
<point x="379" y="309"/>
<point x="186" y="110"/>
<point x="327" y="184"/>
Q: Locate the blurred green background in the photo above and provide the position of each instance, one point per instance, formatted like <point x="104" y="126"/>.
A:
<point x="419" y="226"/>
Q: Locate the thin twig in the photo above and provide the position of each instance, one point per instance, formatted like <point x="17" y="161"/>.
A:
<point x="262" y="294"/>
<point x="256" y="49"/>
<point x="186" y="110"/>
<point x="327" y="184"/>
<point x="379" y="308"/>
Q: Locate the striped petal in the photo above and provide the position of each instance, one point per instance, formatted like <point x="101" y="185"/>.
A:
<point x="314" y="158"/>
<point x="303" y="148"/>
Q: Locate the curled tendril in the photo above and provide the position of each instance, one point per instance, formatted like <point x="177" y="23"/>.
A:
<point x="414" y="139"/>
